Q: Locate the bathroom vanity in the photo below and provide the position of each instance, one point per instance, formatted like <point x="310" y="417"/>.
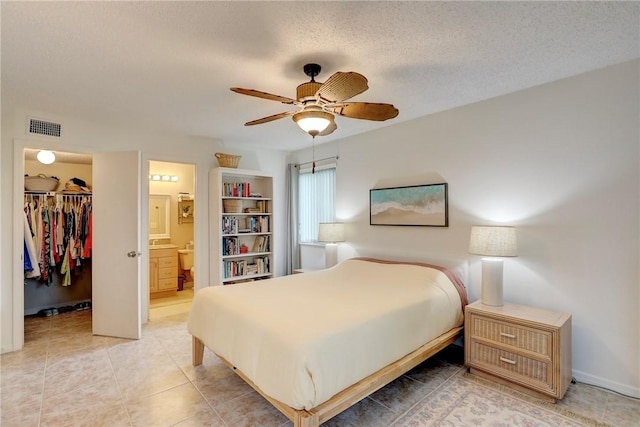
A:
<point x="163" y="271"/>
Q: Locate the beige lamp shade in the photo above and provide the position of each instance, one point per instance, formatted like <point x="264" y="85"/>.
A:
<point x="498" y="241"/>
<point x="492" y="241"/>
<point x="331" y="232"/>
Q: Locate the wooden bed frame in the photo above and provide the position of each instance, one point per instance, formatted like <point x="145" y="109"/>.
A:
<point x="351" y="395"/>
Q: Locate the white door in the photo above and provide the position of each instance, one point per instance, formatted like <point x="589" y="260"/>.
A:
<point x="116" y="244"/>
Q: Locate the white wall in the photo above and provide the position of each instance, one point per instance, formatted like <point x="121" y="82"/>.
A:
<point x="86" y="137"/>
<point x="558" y="161"/>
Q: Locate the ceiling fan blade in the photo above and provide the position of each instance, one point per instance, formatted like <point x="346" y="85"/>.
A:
<point x="341" y="86"/>
<point x="329" y="129"/>
<point x="366" y="111"/>
<point x="270" y="118"/>
<point x="264" y="95"/>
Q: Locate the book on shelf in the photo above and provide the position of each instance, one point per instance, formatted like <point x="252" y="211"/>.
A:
<point x="263" y="264"/>
<point x="260" y="244"/>
<point x="262" y="206"/>
<point x="259" y="265"/>
<point x="229" y="225"/>
<point x="258" y="224"/>
<point x="230" y="246"/>
<point x="236" y="189"/>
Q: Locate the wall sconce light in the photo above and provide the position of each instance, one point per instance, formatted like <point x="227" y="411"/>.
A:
<point x="163" y="178"/>
<point x="494" y="242"/>
<point x="330" y="233"/>
<point x="46" y="157"/>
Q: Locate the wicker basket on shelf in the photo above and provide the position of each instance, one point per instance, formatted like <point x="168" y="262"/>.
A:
<point x="40" y="183"/>
<point x="227" y="160"/>
<point x="232" y="206"/>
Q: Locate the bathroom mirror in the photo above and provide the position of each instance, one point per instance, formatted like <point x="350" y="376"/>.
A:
<point x="159" y="216"/>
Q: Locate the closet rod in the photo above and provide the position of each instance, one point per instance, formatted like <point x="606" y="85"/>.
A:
<point x="53" y="193"/>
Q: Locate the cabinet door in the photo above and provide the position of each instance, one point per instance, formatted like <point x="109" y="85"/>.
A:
<point x="168" y="284"/>
<point x="153" y="275"/>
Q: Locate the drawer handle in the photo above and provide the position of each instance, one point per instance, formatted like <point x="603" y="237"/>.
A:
<point x="506" y="335"/>
<point x="509" y="361"/>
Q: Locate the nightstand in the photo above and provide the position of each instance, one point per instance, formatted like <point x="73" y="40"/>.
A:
<point x="523" y="347"/>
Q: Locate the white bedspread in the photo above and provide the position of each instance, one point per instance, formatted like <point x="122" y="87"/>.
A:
<point x="305" y="337"/>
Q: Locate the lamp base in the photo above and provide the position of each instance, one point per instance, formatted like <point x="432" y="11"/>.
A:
<point x="492" y="282"/>
<point x="330" y="255"/>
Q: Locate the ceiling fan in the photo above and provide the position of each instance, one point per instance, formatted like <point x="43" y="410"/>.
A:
<point x="319" y="102"/>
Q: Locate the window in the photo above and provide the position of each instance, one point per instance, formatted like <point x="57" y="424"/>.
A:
<point x="316" y="201"/>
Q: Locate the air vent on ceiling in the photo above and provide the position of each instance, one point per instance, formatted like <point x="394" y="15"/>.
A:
<point x="42" y="127"/>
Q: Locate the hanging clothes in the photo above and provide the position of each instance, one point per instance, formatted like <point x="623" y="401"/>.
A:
<point x="46" y="248"/>
<point x="30" y="258"/>
<point x="57" y="233"/>
<point x="65" y="269"/>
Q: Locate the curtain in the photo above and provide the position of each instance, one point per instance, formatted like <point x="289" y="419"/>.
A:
<point x="293" y="249"/>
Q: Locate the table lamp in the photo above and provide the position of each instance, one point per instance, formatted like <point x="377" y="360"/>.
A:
<point x="330" y="233"/>
<point x="493" y="242"/>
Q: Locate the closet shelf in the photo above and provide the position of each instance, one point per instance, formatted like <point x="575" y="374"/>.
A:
<point x="55" y="193"/>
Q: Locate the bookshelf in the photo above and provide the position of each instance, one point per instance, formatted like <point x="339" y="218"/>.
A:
<point x="241" y="225"/>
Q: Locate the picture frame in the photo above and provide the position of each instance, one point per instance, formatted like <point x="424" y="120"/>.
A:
<point x="415" y="205"/>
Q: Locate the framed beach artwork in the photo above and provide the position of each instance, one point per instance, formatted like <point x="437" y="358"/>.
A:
<point x="424" y="205"/>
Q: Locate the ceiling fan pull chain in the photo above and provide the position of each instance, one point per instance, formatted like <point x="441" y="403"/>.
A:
<point x="313" y="154"/>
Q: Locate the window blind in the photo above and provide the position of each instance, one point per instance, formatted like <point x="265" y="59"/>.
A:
<point x="316" y="198"/>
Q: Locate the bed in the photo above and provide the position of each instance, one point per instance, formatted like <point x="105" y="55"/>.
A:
<point x="313" y="344"/>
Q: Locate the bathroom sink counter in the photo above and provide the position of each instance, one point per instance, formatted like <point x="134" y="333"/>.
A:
<point x="163" y="246"/>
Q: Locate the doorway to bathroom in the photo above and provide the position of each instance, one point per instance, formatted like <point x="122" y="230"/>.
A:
<point x="171" y="238"/>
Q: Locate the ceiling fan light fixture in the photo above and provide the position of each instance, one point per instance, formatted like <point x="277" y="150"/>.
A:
<point x="46" y="157"/>
<point x="313" y="121"/>
<point x="319" y="103"/>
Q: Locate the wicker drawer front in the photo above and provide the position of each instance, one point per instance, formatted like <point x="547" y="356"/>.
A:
<point x="513" y="366"/>
<point x="168" y="273"/>
<point x="165" y="262"/>
<point x="521" y="337"/>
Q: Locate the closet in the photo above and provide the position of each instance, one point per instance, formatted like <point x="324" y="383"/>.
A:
<point x="58" y="238"/>
<point x="57" y="252"/>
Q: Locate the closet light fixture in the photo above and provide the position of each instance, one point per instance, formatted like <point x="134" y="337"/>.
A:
<point x="163" y="178"/>
<point x="46" y="157"/>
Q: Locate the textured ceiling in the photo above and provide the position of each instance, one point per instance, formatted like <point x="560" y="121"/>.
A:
<point x="168" y="66"/>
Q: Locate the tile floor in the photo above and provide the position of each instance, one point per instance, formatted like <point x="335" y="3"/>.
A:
<point x="65" y="376"/>
<point x="163" y="307"/>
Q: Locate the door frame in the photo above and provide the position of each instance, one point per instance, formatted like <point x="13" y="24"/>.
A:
<point x="19" y="145"/>
<point x="144" y="223"/>
<point x="200" y="225"/>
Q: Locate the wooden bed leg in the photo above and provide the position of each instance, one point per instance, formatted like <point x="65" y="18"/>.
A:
<point x="305" y="419"/>
<point x="197" y="351"/>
